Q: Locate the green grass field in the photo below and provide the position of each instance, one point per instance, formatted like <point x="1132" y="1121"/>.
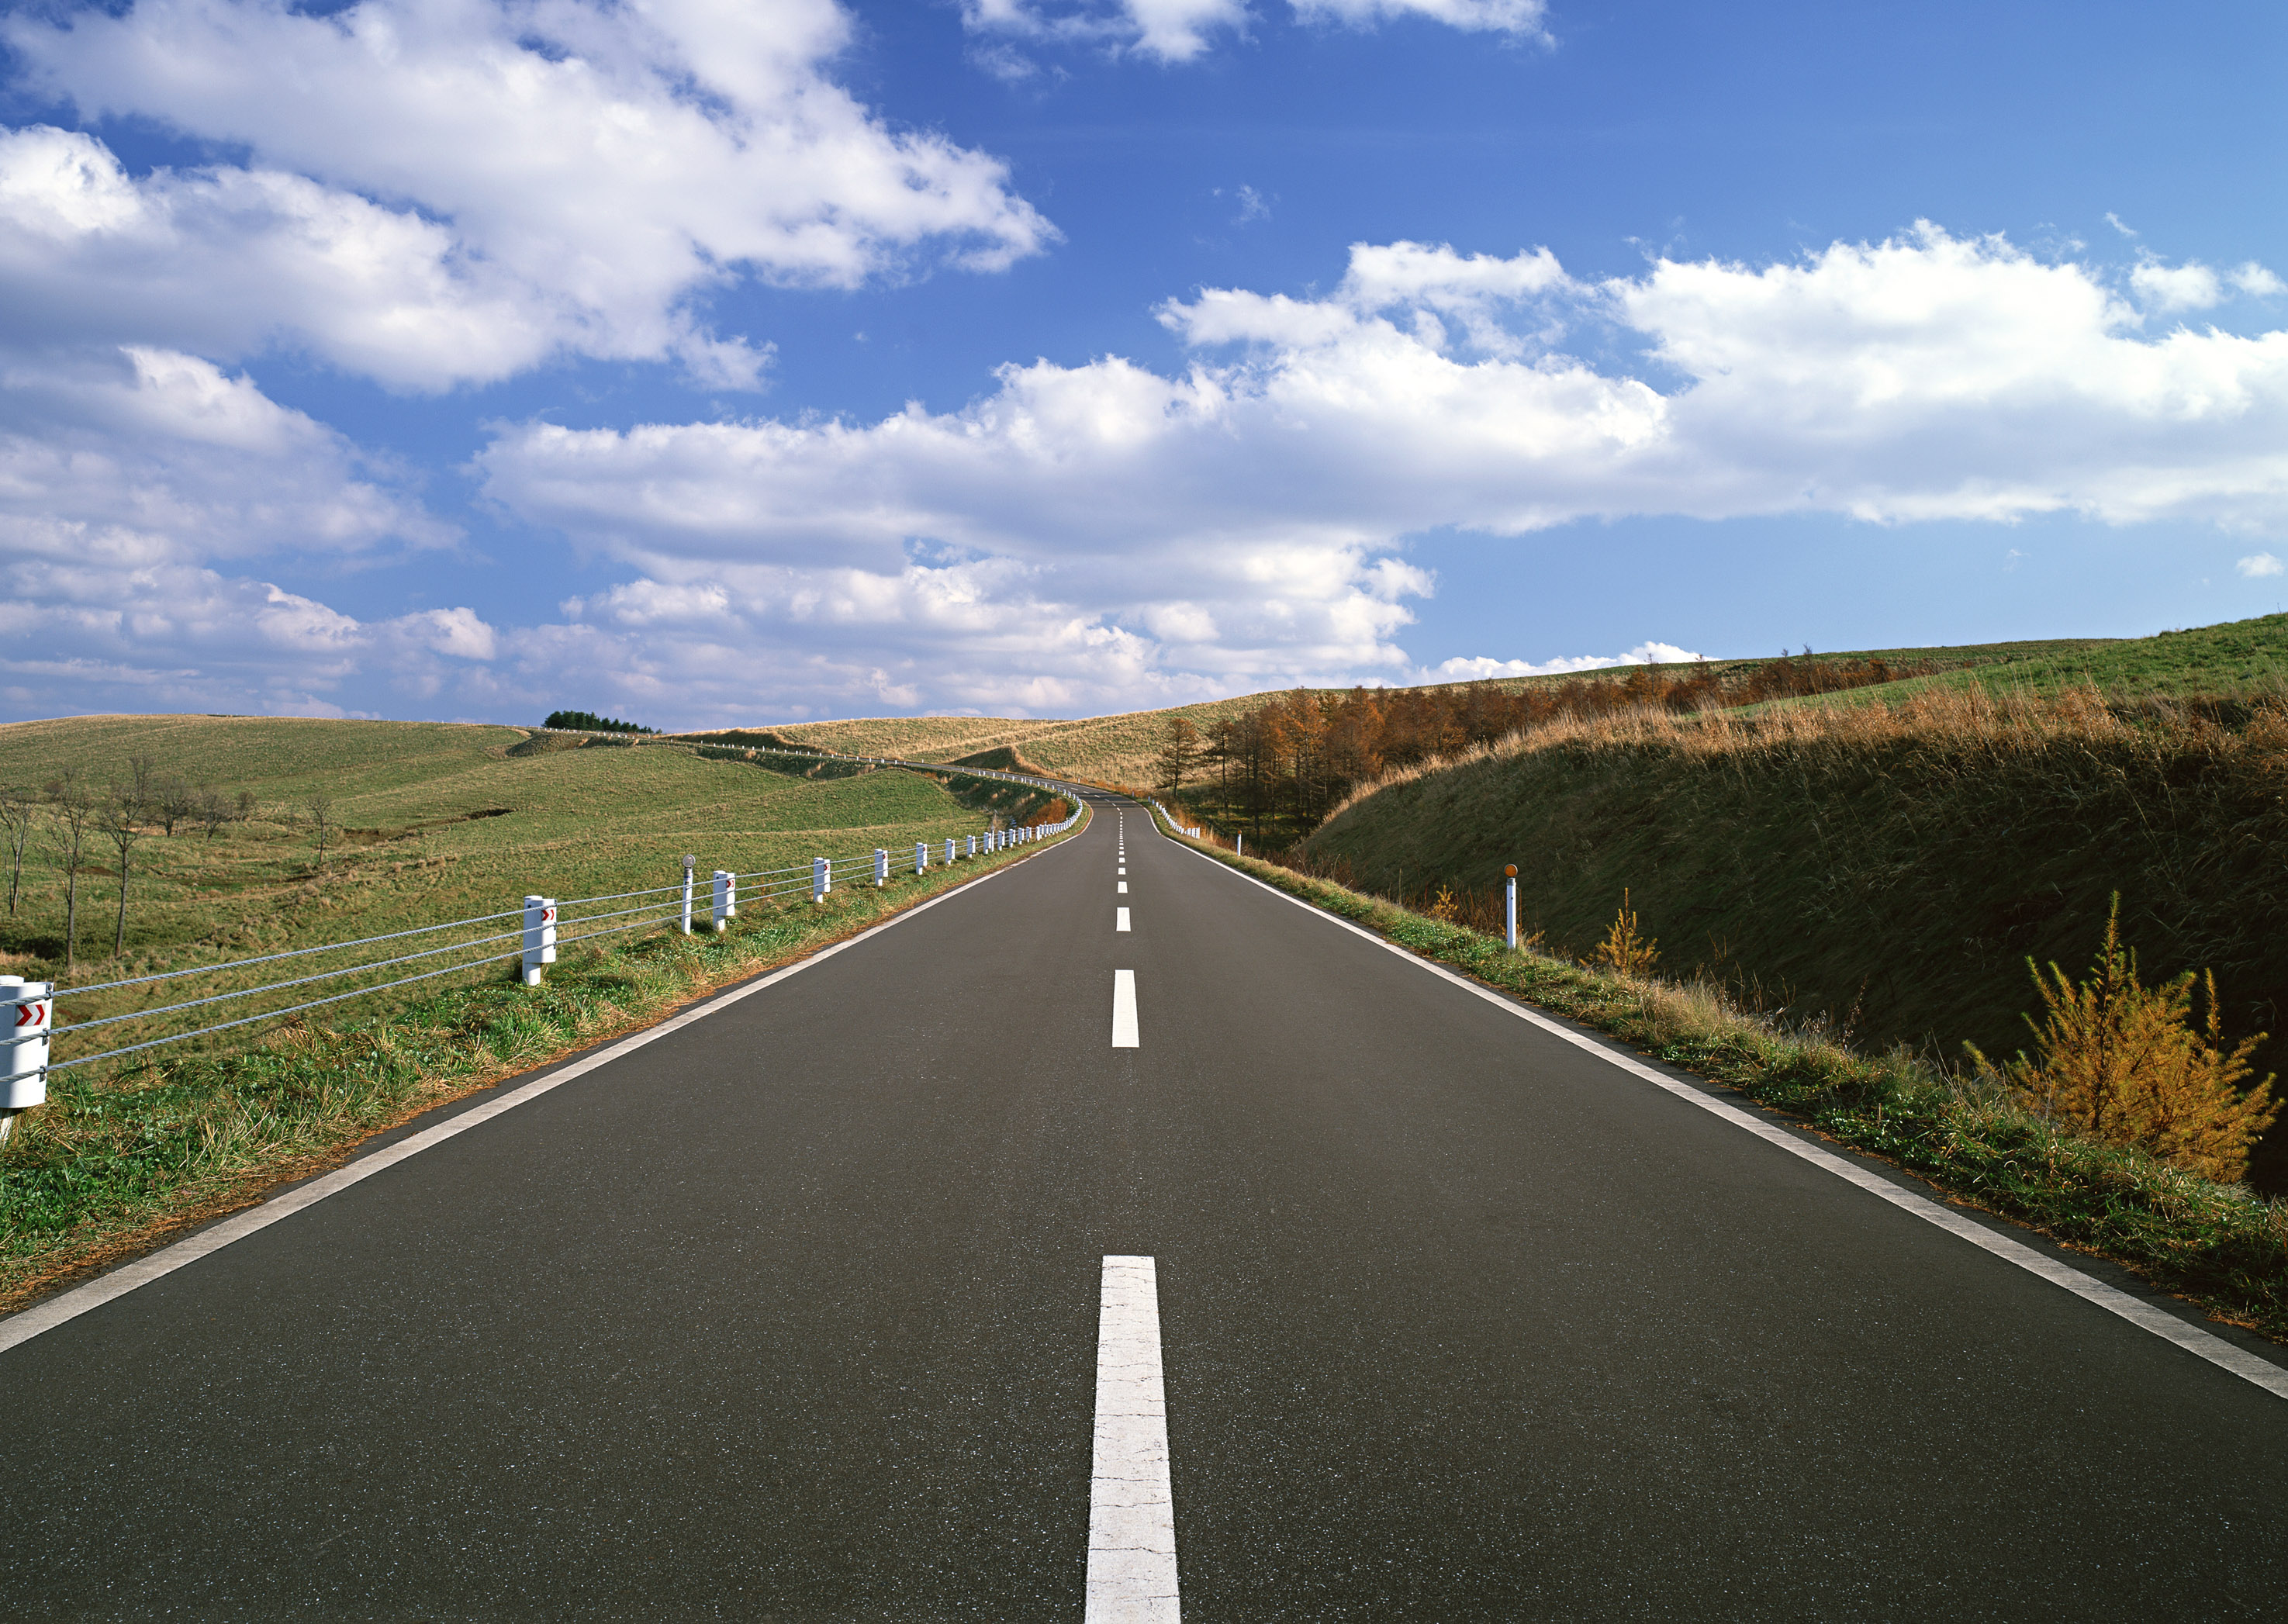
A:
<point x="2235" y="659"/>
<point x="440" y="822"/>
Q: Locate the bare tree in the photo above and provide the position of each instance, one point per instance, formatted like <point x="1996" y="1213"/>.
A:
<point x="176" y="803"/>
<point x="320" y="805"/>
<point x="16" y="829"/>
<point x="247" y="806"/>
<point x="71" y="808"/>
<point x="213" y="809"/>
<point x="1179" y="754"/>
<point x="115" y="821"/>
<point x="142" y="780"/>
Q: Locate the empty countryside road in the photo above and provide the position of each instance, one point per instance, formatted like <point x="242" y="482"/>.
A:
<point x="794" y="1313"/>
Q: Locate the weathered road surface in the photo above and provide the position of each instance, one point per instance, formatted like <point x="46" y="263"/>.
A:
<point x="794" y="1313"/>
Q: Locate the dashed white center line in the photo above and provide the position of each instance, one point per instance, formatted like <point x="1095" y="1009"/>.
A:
<point x="1131" y="1507"/>
<point x="1123" y="885"/>
<point x="1120" y="922"/>
<point x="1124" y="1008"/>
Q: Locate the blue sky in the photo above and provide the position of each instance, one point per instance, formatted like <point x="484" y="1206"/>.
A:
<point x="708" y="362"/>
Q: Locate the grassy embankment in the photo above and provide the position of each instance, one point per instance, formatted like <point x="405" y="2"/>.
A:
<point x="113" y="1159"/>
<point x="2225" y="1249"/>
<point x="1887" y="867"/>
<point x="1120" y="750"/>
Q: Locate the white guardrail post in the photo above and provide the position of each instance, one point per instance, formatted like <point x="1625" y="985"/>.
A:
<point x="821" y="878"/>
<point x="539" y="937"/>
<point x="881" y="867"/>
<point x="690" y="861"/>
<point x="921" y="855"/>
<point x="951" y="856"/>
<point x="726" y="899"/>
<point x="1510" y="873"/>
<point x="24" y="1073"/>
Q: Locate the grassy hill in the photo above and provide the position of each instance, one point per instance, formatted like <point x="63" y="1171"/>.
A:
<point x="1889" y="867"/>
<point x="1120" y="748"/>
<point x="2235" y="659"/>
<point x="1108" y="749"/>
<point x="440" y="822"/>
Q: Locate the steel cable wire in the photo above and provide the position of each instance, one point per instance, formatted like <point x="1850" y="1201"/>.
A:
<point x="273" y="986"/>
<point x="290" y="953"/>
<point x="248" y="1021"/>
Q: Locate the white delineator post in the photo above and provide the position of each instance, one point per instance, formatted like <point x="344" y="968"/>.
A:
<point x="921" y="855"/>
<point x="881" y="866"/>
<point x="726" y="899"/>
<point x="31" y="1016"/>
<point x="539" y="937"/>
<point x="951" y="854"/>
<point x="1510" y="871"/>
<point x="821" y="878"/>
<point x="689" y="862"/>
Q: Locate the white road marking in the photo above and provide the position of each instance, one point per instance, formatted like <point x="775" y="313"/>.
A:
<point x="24" y="1325"/>
<point x="1124" y="884"/>
<point x="1121" y="924"/>
<point x="1123" y="1010"/>
<point x="1132" y="1506"/>
<point x="2146" y="1316"/>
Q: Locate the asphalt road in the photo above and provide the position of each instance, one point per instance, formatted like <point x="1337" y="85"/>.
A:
<point x="793" y="1314"/>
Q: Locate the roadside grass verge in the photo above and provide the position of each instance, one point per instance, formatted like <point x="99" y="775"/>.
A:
<point x="1889" y="867"/>
<point x="118" y="1160"/>
<point x="2224" y="1248"/>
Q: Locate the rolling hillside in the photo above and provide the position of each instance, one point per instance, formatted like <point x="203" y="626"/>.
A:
<point x="1888" y="869"/>
<point x="1119" y="748"/>
<point x="440" y="821"/>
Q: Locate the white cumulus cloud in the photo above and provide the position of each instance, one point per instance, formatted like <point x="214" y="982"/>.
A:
<point x="140" y="491"/>
<point x="1164" y="31"/>
<point x="442" y="190"/>
<point x="2252" y="278"/>
<point x="1092" y="536"/>
<point x="1483" y="668"/>
<point x="2258" y="565"/>
<point x="2185" y="287"/>
<point x="1522" y="18"/>
<point x="1171" y="31"/>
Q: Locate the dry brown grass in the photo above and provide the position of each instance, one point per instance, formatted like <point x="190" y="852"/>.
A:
<point x="2223" y="1246"/>
<point x="1890" y="867"/>
<point x="1968" y="721"/>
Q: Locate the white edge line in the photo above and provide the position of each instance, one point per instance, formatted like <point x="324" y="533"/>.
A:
<point x="24" y="1325"/>
<point x="2145" y="1316"/>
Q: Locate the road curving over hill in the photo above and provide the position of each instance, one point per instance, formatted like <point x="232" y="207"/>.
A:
<point x="1010" y="1264"/>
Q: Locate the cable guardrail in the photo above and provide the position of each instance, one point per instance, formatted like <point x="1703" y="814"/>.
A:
<point x="1171" y="819"/>
<point x="544" y="923"/>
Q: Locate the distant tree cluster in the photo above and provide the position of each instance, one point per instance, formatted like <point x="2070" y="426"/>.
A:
<point x="70" y="814"/>
<point x="1296" y="754"/>
<point x="588" y="722"/>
